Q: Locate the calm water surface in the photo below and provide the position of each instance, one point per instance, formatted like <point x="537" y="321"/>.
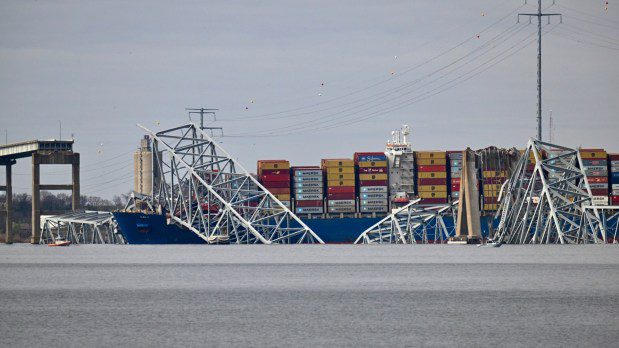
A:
<point x="290" y="296"/>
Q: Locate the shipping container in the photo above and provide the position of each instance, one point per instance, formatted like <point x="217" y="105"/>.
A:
<point x="274" y="177"/>
<point x="309" y="203"/>
<point x="427" y="175"/>
<point x="442" y="194"/>
<point x="431" y="181"/>
<point x="431" y="168"/>
<point x="279" y="190"/>
<point x="373" y="209"/>
<point x="309" y="190"/>
<point x="373" y="182"/>
<point x="365" y="177"/>
<point x="373" y="164"/>
<point x="373" y="195"/>
<point x="331" y="183"/>
<point x="374" y="202"/>
<point x="337" y="162"/>
<point x="341" y="189"/>
<point x="343" y="209"/>
<point x="430" y="154"/>
<point x="382" y="189"/>
<point x="369" y="156"/>
<point x="307" y="178"/>
<point x="431" y="161"/>
<point x="341" y="202"/>
<point x="432" y="188"/>
<point x="272" y="164"/>
<point x="341" y="170"/>
<point x="341" y="196"/>
<point x="592" y="153"/>
<point x="340" y="176"/>
<point x="309" y="210"/>
<point x="283" y="197"/>
<point x="276" y="184"/>
<point x="309" y="197"/>
<point x="308" y="184"/>
<point x="373" y="170"/>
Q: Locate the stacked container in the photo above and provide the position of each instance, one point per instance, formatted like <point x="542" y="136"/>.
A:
<point x="595" y="164"/>
<point x="341" y="193"/>
<point x="455" y="173"/>
<point x="308" y="185"/>
<point x="614" y="178"/>
<point x="492" y="179"/>
<point x="431" y="176"/>
<point x="372" y="182"/>
<point x="275" y="177"/>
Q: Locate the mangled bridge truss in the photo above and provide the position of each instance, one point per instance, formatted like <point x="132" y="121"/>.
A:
<point x="202" y="188"/>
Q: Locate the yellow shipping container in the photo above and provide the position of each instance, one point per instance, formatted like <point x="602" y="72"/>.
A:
<point x="283" y="197"/>
<point x="273" y="165"/>
<point x="494" y="173"/>
<point x="492" y="187"/>
<point x="593" y="154"/>
<point x="340" y="170"/>
<point x="491" y="206"/>
<point x="340" y="176"/>
<point x="340" y="183"/>
<point x="431" y="161"/>
<point x="430" y="154"/>
<point x="373" y="164"/>
<point x="429" y="175"/>
<point x="338" y="162"/>
<point x="372" y="176"/>
<point x="432" y="188"/>
<point x="433" y="194"/>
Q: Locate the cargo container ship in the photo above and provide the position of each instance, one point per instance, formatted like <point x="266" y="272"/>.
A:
<point x="342" y="197"/>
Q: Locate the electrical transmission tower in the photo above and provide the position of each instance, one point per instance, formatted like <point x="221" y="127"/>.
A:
<point x="539" y="16"/>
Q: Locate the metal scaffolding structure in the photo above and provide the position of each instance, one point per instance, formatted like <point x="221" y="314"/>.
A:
<point x="545" y="199"/>
<point x="202" y="188"/>
<point x="414" y="223"/>
<point x="90" y="227"/>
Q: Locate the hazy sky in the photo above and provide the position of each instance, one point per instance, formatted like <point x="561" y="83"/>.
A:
<point x="307" y="79"/>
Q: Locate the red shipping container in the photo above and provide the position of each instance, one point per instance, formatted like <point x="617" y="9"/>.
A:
<point x="373" y="182"/>
<point x="275" y="177"/>
<point x="615" y="200"/>
<point x="491" y="200"/>
<point x="433" y="200"/>
<point x="279" y="190"/>
<point x="455" y="180"/>
<point x="309" y="204"/>
<point x="372" y="170"/>
<point x="599" y="192"/>
<point x="304" y="167"/>
<point x="275" y="172"/>
<point x="341" y="189"/>
<point x="341" y="195"/>
<point x="613" y="157"/>
<point x="276" y="184"/>
<point x="431" y="168"/>
<point x="597" y="179"/>
<point x="432" y="181"/>
<point x="455" y="188"/>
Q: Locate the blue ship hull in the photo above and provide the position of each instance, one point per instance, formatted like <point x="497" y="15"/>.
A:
<point x="139" y="228"/>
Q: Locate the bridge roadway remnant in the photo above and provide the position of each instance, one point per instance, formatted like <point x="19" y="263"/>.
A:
<point x="41" y="152"/>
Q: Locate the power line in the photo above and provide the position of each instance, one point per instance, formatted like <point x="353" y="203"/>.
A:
<point x="472" y="55"/>
<point x="388" y="79"/>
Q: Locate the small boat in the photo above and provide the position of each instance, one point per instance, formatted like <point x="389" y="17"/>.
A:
<point x="490" y="243"/>
<point x="60" y="242"/>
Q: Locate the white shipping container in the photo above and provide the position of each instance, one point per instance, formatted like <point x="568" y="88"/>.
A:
<point x="349" y="209"/>
<point x="309" y="197"/>
<point x="598" y="185"/>
<point x="373" y="188"/>
<point x="374" y="202"/>
<point x="308" y="184"/>
<point x="308" y="190"/>
<point x="308" y="172"/>
<point x="341" y="202"/>
<point x="371" y="195"/>
<point x="307" y="178"/>
<point x="374" y="209"/>
<point x="600" y="200"/>
<point x="309" y="210"/>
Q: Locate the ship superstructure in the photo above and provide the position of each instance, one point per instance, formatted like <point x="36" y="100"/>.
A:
<point x="401" y="162"/>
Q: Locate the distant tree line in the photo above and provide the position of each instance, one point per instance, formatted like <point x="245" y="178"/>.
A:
<point x="50" y="202"/>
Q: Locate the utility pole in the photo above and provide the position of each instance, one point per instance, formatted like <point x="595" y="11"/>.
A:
<point x="539" y="16"/>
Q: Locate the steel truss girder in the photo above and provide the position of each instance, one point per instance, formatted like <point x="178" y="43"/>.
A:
<point x="90" y="227"/>
<point x="547" y="205"/>
<point x="411" y="224"/>
<point x="202" y="188"/>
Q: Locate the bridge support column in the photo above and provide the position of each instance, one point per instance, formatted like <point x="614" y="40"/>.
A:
<point x="9" y="204"/>
<point x="36" y="200"/>
<point x="468" y="225"/>
<point x="75" y="181"/>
